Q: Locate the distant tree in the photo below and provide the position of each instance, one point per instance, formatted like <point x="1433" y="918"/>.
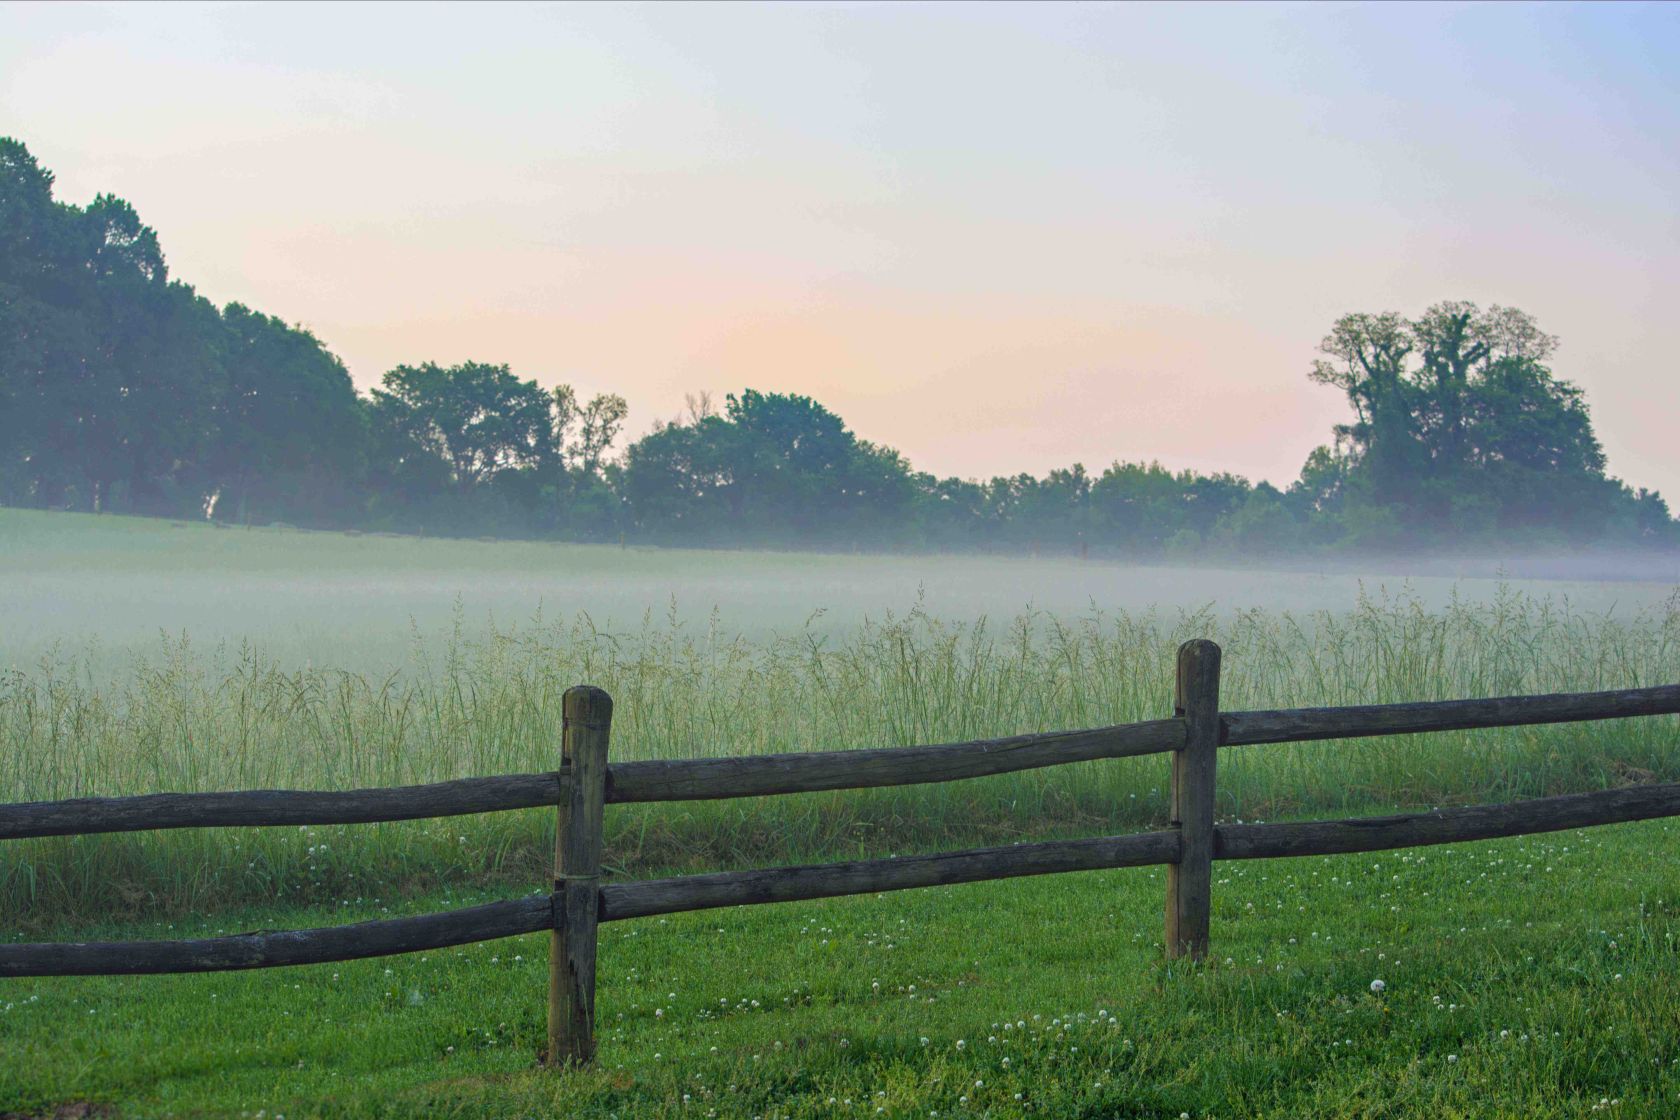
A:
<point x="1460" y="431"/>
<point x="948" y="512"/>
<point x="479" y="418"/>
<point x="121" y="389"/>
<point x="1142" y="508"/>
<point x="169" y="345"/>
<point x="107" y="370"/>
<point x="1263" y="524"/>
<point x="291" y="434"/>
<point x="773" y="466"/>
<point x="575" y="494"/>
<point x="596" y="425"/>
<point x="404" y="475"/>
<point x="1368" y="363"/>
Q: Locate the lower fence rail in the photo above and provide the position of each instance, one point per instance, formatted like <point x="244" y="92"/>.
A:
<point x="384" y="938"/>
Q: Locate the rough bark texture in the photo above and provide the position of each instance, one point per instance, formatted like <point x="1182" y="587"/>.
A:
<point x="1294" y="725"/>
<point x="267" y="950"/>
<point x="826" y="880"/>
<point x="698" y="892"/>
<point x="577" y="877"/>
<point x="809" y="771"/>
<point x="1190" y="879"/>
<point x="678" y="780"/>
<point x="275" y="806"/>
<point x="1447" y="826"/>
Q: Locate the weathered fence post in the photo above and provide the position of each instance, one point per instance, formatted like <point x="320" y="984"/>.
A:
<point x="1190" y="880"/>
<point x="577" y="876"/>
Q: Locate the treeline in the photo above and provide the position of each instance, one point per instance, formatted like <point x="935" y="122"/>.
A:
<point x="122" y="390"/>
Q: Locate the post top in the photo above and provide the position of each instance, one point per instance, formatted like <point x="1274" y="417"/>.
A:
<point x="1199" y="648"/>
<point x="586" y="703"/>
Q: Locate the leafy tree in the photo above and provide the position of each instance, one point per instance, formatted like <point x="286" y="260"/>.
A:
<point x="403" y="473"/>
<point x="122" y="389"/>
<point x="107" y="369"/>
<point x="1368" y="362"/>
<point x="1141" y="508"/>
<point x="290" y="430"/>
<point x="948" y="512"/>
<point x="596" y="425"/>
<point x="772" y="466"/>
<point x="478" y="417"/>
<point x="1460" y="431"/>
<point x="1263" y="524"/>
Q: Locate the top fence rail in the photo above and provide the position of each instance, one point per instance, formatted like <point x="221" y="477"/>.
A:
<point x="813" y="771"/>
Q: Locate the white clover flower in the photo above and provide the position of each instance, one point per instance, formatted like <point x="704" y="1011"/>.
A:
<point x="1378" y="986"/>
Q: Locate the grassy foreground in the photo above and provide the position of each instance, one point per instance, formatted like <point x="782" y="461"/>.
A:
<point x="1532" y="977"/>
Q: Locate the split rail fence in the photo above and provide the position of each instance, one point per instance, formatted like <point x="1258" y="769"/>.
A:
<point x="585" y="783"/>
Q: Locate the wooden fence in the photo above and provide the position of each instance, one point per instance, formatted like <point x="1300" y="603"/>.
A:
<point x="585" y="783"/>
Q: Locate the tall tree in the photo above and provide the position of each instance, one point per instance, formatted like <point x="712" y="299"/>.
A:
<point x="1368" y="362"/>
<point x="478" y="417"/>
<point x="1474" y="436"/>
<point x="583" y="434"/>
<point x="773" y="466"/>
<point x="290" y="432"/>
<point x="107" y="369"/>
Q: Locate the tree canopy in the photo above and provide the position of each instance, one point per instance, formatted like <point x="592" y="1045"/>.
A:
<point x="122" y="389"/>
<point x="1461" y="431"/>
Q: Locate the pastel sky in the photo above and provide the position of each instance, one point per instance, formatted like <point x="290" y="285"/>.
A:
<point x="996" y="237"/>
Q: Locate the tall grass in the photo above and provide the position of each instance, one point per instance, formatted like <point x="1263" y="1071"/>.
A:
<point x="186" y="719"/>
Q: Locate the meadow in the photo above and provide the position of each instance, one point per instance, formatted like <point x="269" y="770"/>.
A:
<point x="1525" y="978"/>
<point x="143" y="657"/>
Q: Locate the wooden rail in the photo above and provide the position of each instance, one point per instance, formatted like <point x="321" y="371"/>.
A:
<point x="645" y="898"/>
<point x="829" y="880"/>
<point x="808" y="772"/>
<point x="1298" y="725"/>
<point x="676" y="780"/>
<point x="268" y="949"/>
<point x="584" y="783"/>
<point x="80" y="816"/>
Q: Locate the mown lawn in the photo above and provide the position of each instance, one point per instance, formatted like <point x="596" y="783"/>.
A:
<point x="1532" y="977"/>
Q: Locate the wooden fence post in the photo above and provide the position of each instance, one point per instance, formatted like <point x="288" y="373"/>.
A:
<point x="577" y="876"/>
<point x="1190" y="880"/>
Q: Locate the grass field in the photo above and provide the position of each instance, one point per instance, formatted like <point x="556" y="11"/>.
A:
<point x="1523" y="978"/>
<point x="108" y="586"/>
<point x="325" y="661"/>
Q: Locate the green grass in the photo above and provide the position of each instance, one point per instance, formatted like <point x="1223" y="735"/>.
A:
<point x="1565" y="943"/>
<point x="191" y="721"/>
<point x="107" y="586"/>
<point x="1532" y="977"/>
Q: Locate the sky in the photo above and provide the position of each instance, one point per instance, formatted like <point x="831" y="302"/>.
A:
<point x="998" y="238"/>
